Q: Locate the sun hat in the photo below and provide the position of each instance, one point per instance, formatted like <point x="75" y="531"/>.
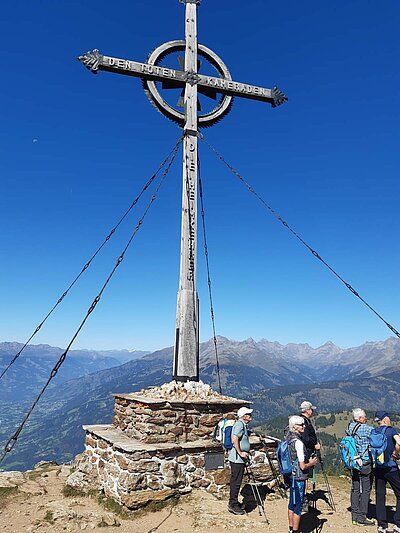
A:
<point x="307" y="405"/>
<point x="244" y="411"/>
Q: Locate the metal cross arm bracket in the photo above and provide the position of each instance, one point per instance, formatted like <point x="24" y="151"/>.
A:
<point x="91" y="60"/>
<point x="278" y="96"/>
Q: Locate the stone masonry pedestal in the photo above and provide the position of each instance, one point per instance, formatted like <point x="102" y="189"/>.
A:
<point x="160" y="445"/>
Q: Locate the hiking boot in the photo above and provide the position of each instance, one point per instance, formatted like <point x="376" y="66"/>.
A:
<point x="365" y="522"/>
<point x="369" y="522"/>
<point x="236" y="510"/>
<point x="382" y="529"/>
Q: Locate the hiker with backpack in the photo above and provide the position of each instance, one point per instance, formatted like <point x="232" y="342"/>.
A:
<point x="309" y="437"/>
<point x="357" y="439"/>
<point x="386" y="469"/>
<point x="300" y="467"/>
<point x="238" y="457"/>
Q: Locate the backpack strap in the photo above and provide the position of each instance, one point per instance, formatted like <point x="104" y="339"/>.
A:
<point x="355" y="429"/>
<point x="245" y="432"/>
<point x="244" y="427"/>
<point x="353" y="434"/>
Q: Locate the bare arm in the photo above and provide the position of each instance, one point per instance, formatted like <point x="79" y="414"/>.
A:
<point x="305" y="466"/>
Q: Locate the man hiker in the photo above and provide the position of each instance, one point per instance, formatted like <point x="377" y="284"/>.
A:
<point x="300" y="470"/>
<point x="360" y="479"/>
<point x="237" y="457"/>
<point x="387" y="472"/>
<point x="309" y="438"/>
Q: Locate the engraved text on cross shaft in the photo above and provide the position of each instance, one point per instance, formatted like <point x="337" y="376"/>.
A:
<point x="186" y="354"/>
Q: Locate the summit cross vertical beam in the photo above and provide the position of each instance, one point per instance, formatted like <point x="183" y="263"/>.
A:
<point x="186" y="352"/>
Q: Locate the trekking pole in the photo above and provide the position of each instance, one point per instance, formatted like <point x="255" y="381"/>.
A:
<point x="314" y="503"/>
<point x="314" y="500"/>
<point x="276" y="476"/>
<point x="256" y="492"/>
<point x="327" y="484"/>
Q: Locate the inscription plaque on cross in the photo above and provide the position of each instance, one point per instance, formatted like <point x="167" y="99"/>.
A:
<point x="221" y="88"/>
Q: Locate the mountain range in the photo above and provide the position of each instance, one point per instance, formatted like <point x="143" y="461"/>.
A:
<point x="275" y="377"/>
<point x="31" y="369"/>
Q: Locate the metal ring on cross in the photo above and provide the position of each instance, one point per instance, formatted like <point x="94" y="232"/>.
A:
<point x="205" y="120"/>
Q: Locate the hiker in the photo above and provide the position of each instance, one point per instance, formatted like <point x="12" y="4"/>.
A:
<point x="360" y="479"/>
<point x="238" y="456"/>
<point x="387" y="472"/>
<point x="309" y="437"/>
<point x="300" y="470"/>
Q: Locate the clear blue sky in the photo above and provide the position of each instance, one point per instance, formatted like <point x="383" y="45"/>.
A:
<point x="76" y="148"/>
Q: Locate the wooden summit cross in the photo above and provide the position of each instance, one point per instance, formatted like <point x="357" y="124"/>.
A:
<point x="186" y="355"/>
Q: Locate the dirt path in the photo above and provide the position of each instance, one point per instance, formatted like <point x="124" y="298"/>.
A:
<point x="34" y="502"/>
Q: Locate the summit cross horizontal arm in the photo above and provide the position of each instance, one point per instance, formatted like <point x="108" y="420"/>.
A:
<point x="94" y="61"/>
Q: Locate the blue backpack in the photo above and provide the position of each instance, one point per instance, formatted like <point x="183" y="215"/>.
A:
<point x="378" y="444"/>
<point x="290" y="469"/>
<point x="283" y="456"/>
<point x="223" y="433"/>
<point x="348" y="451"/>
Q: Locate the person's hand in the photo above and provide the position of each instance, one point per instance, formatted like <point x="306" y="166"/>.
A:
<point x="317" y="446"/>
<point x="313" y="461"/>
<point x="244" y="455"/>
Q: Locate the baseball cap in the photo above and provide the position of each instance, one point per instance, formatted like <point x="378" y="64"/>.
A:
<point x="380" y="415"/>
<point x="307" y="405"/>
<point x="244" y="411"/>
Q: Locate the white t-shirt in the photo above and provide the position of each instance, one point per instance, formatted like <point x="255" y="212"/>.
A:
<point x="299" y="446"/>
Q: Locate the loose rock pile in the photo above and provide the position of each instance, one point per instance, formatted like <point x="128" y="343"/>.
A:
<point x="183" y="391"/>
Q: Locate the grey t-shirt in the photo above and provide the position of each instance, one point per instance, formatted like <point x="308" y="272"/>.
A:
<point x="241" y="431"/>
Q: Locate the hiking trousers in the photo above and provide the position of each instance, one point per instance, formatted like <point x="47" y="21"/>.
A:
<point x="382" y="476"/>
<point x="360" y="491"/>
<point x="237" y="471"/>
